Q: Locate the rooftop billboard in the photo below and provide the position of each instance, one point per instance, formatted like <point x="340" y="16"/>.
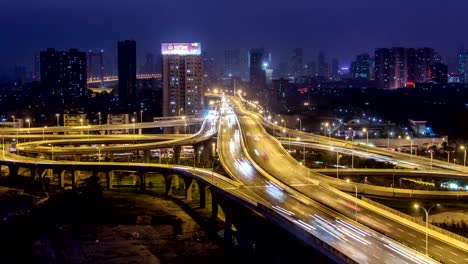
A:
<point x="180" y="49"/>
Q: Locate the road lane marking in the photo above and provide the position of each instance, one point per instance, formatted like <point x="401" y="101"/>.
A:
<point x="454" y="253"/>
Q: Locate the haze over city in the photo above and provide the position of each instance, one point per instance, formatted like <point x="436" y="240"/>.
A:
<point x="340" y="28"/>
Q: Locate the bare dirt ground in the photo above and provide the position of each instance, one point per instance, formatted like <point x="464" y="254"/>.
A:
<point x="130" y="228"/>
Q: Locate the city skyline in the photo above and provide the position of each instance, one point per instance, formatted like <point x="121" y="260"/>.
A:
<point x="332" y="27"/>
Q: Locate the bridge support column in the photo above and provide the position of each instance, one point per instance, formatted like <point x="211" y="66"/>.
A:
<point x="188" y="188"/>
<point x="202" y="190"/>
<point x="142" y="175"/>
<point x="176" y="181"/>
<point x="147" y="155"/>
<point x="168" y="182"/>
<point x="177" y="150"/>
<point x="214" y="206"/>
<point x="109" y="179"/>
<point x="228" y="225"/>
<point x="75" y="177"/>
<point x="61" y="177"/>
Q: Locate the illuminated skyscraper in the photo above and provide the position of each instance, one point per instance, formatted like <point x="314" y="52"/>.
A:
<point x="463" y="65"/>
<point x="182" y="79"/>
<point x="439" y="73"/>
<point x="63" y="74"/>
<point x="360" y="68"/>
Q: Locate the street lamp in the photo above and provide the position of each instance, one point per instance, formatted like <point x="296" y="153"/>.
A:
<point x="300" y="124"/>
<point x="276" y="123"/>
<point x="29" y="127"/>
<point x="43" y="131"/>
<point x="367" y="135"/>
<point x="185" y="125"/>
<point x="464" y="156"/>
<point x="3" y="146"/>
<point x="141" y="116"/>
<point x="99" y="118"/>
<point x="411" y="150"/>
<point x="181" y="109"/>
<point x="432" y="156"/>
<point x="417" y="206"/>
<point x="52" y="146"/>
<point x="58" y="119"/>
<point x="355" y="202"/>
<point x="133" y="121"/>
<point x="13" y="117"/>
<point x="388" y="139"/>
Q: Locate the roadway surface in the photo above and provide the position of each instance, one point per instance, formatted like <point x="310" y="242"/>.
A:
<point x="272" y="157"/>
<point x="354" y="240"/>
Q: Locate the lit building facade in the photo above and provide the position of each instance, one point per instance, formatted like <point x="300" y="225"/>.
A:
<point x="63" y="74"/>
<point x="183" y="91"/>
<point x="360" y="68"/>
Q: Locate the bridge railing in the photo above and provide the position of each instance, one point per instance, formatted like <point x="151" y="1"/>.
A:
<point x="416" y="220"/>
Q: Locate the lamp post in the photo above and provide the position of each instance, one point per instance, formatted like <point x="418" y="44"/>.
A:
<point x="133" y="121"/>
<point x="276" y="123"/>
<point x="29" y="127"/>
<point x="448" y="156"/>
<point x="355" y="202"/>
<point x="181" y="109"/>
<point x="99" y="118"/>
<point x="141" y="116"/>
<point x="57" y="116"/>
<point x="185" y="125"/>
<point x="411" y="149"/>
<point x="81" y="126"/>
<point x="13" y="117"/>
<point x="43" y="131"/>
<point x="432" y="156"/>
<point x="367" y="135"/>
<point x="52" y="146"/>
<point x="417" y="206"/>
<point x="300" y="124"/>
<point x="388" y="139"/>
<point x="464" y="155"/>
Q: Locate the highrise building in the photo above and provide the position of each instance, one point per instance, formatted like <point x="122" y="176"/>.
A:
<point x="63" y="73"/>
<point x="149" y="67"/>
<point x="297" y="64"/>
<point x="232" y="63"/>
<point x="439" y="73"/>
<point x="257" y="74"/>
<point x="399" y="67"/>
<point x="463" y="65"/>
<point x="182" y="79"/>
<point x="322" y="66"/>
<point x="127" y="69"/>
<point x="360" y="68"/>
<point x="335" y="70"/>
<point x="37" y="68"/>
<point x="311" y="69"/>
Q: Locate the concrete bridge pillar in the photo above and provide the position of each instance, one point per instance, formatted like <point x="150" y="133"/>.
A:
<point x="202" y="189"/>
<point x="228" y="233"/>
<point x="189" y="182"/>
<point x="146" y="154"/>
<point x="75" y="179"/>
<point x="177" y="150"/>
<point x="142" y="175"/>
<point x="176" y="181"/>
<point x="13" y="171"/>
<point x="61" y="178"/>
<point x="111" y="156"/>
<point x="109" y="179"/>
<point x="168" y="183"/>
<point x="214" y="206"/>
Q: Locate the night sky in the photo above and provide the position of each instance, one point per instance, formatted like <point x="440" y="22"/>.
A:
<point x="342" y="28"/>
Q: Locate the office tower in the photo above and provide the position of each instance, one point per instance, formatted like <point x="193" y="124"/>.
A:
<point x="463" y="65"/>
<point x="208" y="70"/>
<point x="149" y="67"/>
<point x="127" y="69"/>
<point x="96" y="66"/>
<point x="297" y="64"/>
<point x="182" y="79"/>
<point x="397" y="67"/>
<point x="232" y="63"/>
<point x="37" y="68"/>
<point x="63" y="74"/>
<point x="360" y="68"/>
<point x="311" y="69"/>
<point x="335" y="70"/>
<point x="257" y="74"/>
<point x="439" y="73"/>
<point x="322" y="66"/>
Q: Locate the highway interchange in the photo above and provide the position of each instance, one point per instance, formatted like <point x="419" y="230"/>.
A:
<point x="263" y="173"/>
